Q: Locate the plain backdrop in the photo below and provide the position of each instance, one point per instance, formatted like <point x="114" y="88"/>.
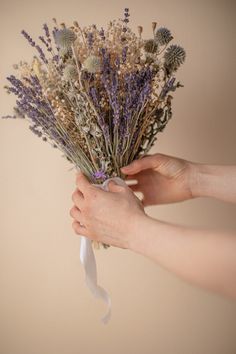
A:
<point x="45" y="307"/>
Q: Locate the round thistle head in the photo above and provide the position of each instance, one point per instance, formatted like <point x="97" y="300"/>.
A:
<point x="64" y="51"/>
<point x="150" y="46"/>
<point x="92" y="64"/>
<point x="163" y="36"/>
<point x="70" y="72"/>
<point x="174" y="57"/>
<point x="64" y="38"/>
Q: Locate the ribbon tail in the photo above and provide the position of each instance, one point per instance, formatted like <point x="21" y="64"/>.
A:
<point x="87" y="258"/>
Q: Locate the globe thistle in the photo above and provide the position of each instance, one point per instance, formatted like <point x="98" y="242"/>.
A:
<point x="150" y="46"/>
<point x="64" y="38"/>
<point x="163" y="36"/>
<point x="70" y="72"/>
<point x="65" y="51"/>
<point x="92" y="64"/>
<point x="174" y="57"/>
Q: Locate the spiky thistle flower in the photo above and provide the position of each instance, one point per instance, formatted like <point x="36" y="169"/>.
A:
<point x="70" y="72"/>
<point x="65" y="51"/>
<point x="163" y="36"/>
<point x="174" y="57"/>
<point x="92" y="64"/>
<point x="64" y="38"/>
<point x="150" y="46"/>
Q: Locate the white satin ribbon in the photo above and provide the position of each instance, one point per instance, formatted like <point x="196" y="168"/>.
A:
<point x="88" y="260"/>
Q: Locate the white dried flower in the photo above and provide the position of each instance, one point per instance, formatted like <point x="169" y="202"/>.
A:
<point x="96" y="131"/>
<point x="92" y="64"/>
<point x="70" y="72"/>
<point x="85" y="129"/>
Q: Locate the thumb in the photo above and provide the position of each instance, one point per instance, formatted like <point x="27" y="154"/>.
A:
<point x="136" y="166"/>
<point x="167" y="166"/>
<point x="114" y="187"/>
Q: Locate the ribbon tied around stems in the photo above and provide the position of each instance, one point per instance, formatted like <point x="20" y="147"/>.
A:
<point x="88" y="261"/>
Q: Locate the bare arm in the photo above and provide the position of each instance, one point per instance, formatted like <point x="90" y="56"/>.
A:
<point x="215" y="181"/>
<point x="204" y="258"/>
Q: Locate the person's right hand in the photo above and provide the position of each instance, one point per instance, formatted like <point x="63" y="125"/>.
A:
<point x="161" y="178"/>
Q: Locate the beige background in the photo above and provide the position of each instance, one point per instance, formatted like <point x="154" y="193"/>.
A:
<point x="45" y="307"/>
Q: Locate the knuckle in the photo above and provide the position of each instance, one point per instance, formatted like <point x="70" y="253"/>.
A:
<point x="74" y="196"/>
<point x="91" y="190"/>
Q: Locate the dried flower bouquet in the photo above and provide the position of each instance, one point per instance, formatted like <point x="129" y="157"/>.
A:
<point x="98" y="95"/>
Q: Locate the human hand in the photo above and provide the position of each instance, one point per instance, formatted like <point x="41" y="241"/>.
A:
<point x="110" y="217"/>
<point x="161" y="178"/>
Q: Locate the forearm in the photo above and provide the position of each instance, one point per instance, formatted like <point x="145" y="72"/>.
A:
<point x="204" y="258"/>
<point x="214" y="181"/>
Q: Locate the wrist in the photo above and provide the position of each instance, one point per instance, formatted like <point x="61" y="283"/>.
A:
<point x="203" y="178"/>
<point x="140" y="233"/>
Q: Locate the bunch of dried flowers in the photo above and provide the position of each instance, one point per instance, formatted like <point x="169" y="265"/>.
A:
<point x="98" y="95"/>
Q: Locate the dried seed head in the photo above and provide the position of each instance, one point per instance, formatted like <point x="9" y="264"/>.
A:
<point x="140" y="30"/>
<point x="174" y="57"/>
<point x="92" y="64"/>
<point x="64" y="51"/>
<point x="75" y="23"/>
<point x="70" y="72"/>
<point x="64" y="38"/>
<point x="154" y="24"/>
<point x="163" y="36"/>
<point x="150" y="46"/>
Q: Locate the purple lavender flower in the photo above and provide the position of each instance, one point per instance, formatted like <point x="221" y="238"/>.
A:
<point x="100" y="175"/>
<point x="169" y="86"/>
<point x="95" y="96"/>
<point x="90" y="39"/>
<point x="124" y="54"/>
<point x="126" y="19"/>
<point x="33" y="44"/>
<point x="41" y="54"/>
<point x="102" y="34"/>
<point x="29" y="39"/>
<point x="47" y="33"/>
<point x="48" y="46"/>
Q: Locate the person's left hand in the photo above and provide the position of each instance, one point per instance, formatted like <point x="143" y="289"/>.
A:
<point x="110" y="217"/>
